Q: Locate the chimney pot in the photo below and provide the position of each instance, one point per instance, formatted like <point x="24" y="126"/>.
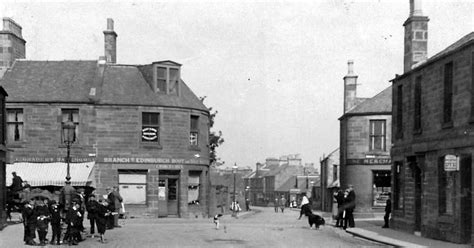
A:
<point x="350" y="67"/>
<point x="415" y="8"/>
<point x="110" y="24"/>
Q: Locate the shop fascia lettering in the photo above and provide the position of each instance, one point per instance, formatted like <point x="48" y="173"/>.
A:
<point x="153" y="160"/>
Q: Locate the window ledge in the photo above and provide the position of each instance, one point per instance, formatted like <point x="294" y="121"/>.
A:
<point x="446" y="218"/>
<point x="194" y="148"/>
<point x="17" y="144"/>
<point x="73" y="146"/>
<point x="417" y="131"/>
<point x="447" y="125"/>
<point x="151" y="146"/>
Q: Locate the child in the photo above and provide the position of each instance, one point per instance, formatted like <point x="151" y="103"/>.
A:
<point x="92" y="206"/>
<point x="73" y="220"/>
<point x="55" y="222"/>
<point x="216" y="220"/>
<point x="29" y="221"/>
<point x="388" y="210"/>
<point x="42" y="218"/>
<point x="102" y="214"/>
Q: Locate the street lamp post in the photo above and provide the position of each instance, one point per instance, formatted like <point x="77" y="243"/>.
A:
<point x="68" y="136"/>
<point x="234" y="203"/>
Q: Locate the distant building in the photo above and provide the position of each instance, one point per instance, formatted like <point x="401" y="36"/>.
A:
<point x="12" y="44"/>
<point x="136" y="126"/>
<point x="365" y="141"/>
<point x="281" y="176"/>
<point x="433" y="138"/>
<point x="329" y="179"/>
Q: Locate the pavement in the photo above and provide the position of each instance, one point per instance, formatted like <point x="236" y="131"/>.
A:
<point x="371" y="229"/>
<point x="366" y="228"/>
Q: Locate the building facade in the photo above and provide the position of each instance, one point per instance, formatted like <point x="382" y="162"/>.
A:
<point x="433" y="103"/>
<point x="330" y="183"/>
<point x="281" y="176"/>
<point x="365" y="140"/>
<point x="3" y="159"/>
<point x="12" y="44"/>
<point x="141" y="126"/>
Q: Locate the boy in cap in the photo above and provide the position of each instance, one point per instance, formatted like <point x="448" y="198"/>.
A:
<point x="29" y="222"/>
<point x="103" y="213"/>
<point x="55" y="222"/>
<point x="42" y="218"/>
<point x="73" y="219"/>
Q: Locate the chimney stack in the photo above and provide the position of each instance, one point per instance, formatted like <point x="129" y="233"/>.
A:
<point x="350" y="87"/>
<point x="110" y="42"/>
<point x="416" y="37"/>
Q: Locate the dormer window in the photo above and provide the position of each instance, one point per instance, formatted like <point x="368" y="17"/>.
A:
<point x="167" y="77"/>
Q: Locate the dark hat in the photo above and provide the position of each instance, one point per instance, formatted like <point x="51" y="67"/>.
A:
<point x="53" y="202"/>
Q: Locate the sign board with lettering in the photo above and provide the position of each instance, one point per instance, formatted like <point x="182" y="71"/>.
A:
<point x="451" y="162"/>
<point x="369" y="161"/>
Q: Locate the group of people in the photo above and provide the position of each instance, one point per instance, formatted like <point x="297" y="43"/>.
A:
<point x="68" y="214"/>
<point x="346" y="203"/>
<point x="279" y="204"/>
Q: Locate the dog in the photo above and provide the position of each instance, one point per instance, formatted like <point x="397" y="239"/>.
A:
<point x="316" y="220"/>
<point x="216" y="220"/>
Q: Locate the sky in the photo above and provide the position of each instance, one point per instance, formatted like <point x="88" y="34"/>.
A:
<point x="272" y="69"/>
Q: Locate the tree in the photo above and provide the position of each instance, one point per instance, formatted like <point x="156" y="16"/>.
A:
<point x="215" y="139"/>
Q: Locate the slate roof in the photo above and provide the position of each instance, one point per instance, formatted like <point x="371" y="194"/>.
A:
<point x="380" y="103"/>
<point x="465" y="40"/>
<point x="72" y="81"/>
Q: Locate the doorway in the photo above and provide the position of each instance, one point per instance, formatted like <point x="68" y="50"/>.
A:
<point x="466" y="198"/>
<point x="168" y="194"/>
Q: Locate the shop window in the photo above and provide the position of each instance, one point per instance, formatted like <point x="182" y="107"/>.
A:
<point x="70" y="115"/>
<point x="194" y="130"/>
<point x="14" y="125"/>
<point x="334" y="172"/>
<point x="132" y="185"/>
<point x="150" y="128"/>
<point x="377" y="135"/>
<point x="194" y="185"/>
<point x="446" y="189"/>
<point x="398" y="196"/>
<point x="381" y="187"/>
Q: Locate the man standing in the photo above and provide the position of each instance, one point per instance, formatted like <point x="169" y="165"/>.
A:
<point x="17" y="185"/>
<point x="388" y="210"/>
<point x="111" y="207"/>
<point x="282" y="203"/>
<point x="117" y="205"/>
<point x="349" y="206"/>
<point x="339" y="196"/>
<point x="67" y="193"/>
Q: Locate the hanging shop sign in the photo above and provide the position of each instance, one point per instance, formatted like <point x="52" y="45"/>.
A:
<point x="451" y="162"/>
<point x="149" y="134"/>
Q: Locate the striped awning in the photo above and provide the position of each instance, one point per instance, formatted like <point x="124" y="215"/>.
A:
<point x="51" y="174"/>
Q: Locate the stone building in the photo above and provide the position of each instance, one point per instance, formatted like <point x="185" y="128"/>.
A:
<point x="136" y="126"/>
<point x="330" y="183"/>
<point x="12" y="44"/>
<point x="433" y="110"/>
<point x="280" y="176"/>
<point x="3" y="158"/>
<point x="365" y="139"/>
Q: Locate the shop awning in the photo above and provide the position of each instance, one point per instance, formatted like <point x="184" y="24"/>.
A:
<point x="334" y="184"/>
<point x="51" y="174"/>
